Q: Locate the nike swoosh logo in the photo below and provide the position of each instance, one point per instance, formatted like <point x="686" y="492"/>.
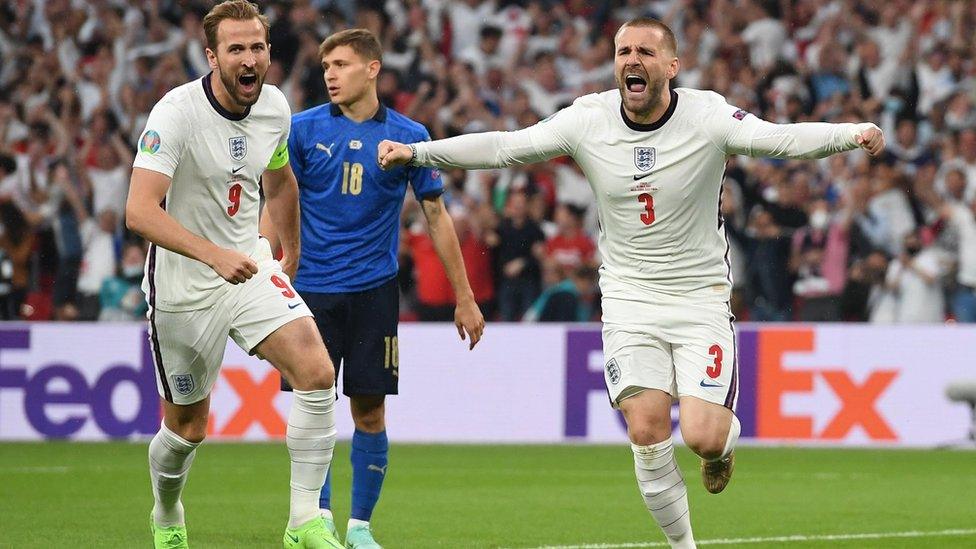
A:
<point x="237" y="169"/>
<point x="703" y="384"/>
<point x="293" y="305"/>
<point x="638" y="177"/>
<point x="294" y="539"/>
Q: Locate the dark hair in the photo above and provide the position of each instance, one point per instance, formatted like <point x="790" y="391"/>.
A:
<point x="575" y="211"/>
<point x="490" y="31"/>
<point x="14" y="222"/>
<point x="645" y="22"/>
<point x="7" y="164"/>
<point x="362" y="41"/>
<point x="239" y="10"/>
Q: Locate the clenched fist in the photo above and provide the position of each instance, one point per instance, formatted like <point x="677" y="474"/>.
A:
<point x="871" y="139"/>
<point x="391" y="154"/>
<point x="233" y="266"/>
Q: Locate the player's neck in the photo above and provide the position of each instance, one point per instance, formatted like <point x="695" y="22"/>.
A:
<point x="655" y="113"/>
<point x="223" y="96"/>
<point x="362" y="109"/>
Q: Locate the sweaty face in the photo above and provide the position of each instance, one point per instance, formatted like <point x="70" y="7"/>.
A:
<point x="643" y="64"/>
<point x="347" y="75"/>
<point x="242" y="59"/>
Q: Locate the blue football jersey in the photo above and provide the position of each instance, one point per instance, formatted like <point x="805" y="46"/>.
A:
<point x="350" y="206"/>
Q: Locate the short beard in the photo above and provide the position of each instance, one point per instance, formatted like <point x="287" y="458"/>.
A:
<point x="231" y="84"/>
<point x="653" y="98"/>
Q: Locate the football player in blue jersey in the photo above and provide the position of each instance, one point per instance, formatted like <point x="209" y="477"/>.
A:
<point x="347" y="274"/>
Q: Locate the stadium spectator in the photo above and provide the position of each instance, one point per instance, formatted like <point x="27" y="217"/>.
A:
<point x="17" y="242"/>
<point x="571" y="300"/>
<point x="121" y="296"/>
<point x="570" y="248"/>
<point x="520" y="246"/>
<point x="913" y="289"/>
<point x="79" y="78"/>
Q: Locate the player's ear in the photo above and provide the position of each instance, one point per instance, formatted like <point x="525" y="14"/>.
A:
<point x="211" y="58"/>
<point x="673" y="68"/>
<point x="373" y="68"/>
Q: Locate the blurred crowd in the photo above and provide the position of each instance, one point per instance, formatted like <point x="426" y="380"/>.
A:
<point x="846" y="238"/>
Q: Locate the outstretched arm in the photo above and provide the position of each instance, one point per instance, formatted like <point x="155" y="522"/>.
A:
<point x="737" y="132"/>
<point x="803" y="140"/>
<point x="440" y="227"/>
<point x="555" y="136"/>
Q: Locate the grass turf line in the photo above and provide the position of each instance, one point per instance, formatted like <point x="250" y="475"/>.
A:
<point x="97" y="495"/>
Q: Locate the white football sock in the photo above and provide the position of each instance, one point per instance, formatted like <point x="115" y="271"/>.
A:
<point x="310" y="438"/>
<point x="356" y="522"/>
<point x="664" y="491"/>
<point x="170" y="457"/>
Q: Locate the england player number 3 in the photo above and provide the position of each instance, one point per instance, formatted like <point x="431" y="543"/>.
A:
<point x="647" y="216"/>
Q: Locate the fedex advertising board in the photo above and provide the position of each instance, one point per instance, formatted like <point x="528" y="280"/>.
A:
<point x="809" y="384"/>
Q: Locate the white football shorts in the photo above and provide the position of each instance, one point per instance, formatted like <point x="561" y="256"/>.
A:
<point x="188" y="346"/>
<point x="673" y="345"/>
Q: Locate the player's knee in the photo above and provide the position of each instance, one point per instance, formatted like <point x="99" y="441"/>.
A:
<point x="370" y="422"/>
<point x="191" y="430"/>
<point x="649" y="432"/>
<point x="707" y="439"/>
<point x="315" y="377"/>
<point x="368" y="413"/>
<point x="709" y="448"/>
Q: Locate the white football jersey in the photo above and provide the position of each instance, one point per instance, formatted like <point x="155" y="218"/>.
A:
<point x="215" y="159"/>
<point x="657" y="186"/>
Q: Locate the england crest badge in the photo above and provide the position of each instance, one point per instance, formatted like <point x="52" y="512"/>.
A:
<point x="238" y="147"/>
<point x="613" y="371"/>
<point x="183" y="383"/>
<point x="644" y="158"/>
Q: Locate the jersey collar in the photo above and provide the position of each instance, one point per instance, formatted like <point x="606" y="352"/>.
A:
<point x="380" y="115"/>
<point x="208" y="91"/>
<point x="656" y="124"/>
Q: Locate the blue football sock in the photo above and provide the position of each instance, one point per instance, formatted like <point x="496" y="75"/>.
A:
<point x="369" y="459"/>
<point x="325" y="496"/>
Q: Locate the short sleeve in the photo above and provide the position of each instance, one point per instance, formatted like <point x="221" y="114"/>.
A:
<point x="295" y="153"/>
<point x="426" y="181"/>
<point x="162" y="142"/>
<point x="281" y="154"/>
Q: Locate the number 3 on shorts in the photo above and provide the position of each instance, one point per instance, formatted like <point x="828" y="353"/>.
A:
<point x="715" y="369"/>
<point x="285" y="289"/>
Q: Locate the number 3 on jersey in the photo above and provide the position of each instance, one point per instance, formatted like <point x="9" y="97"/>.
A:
<point x="647" y="216"/>
<point x="352" y="178"/>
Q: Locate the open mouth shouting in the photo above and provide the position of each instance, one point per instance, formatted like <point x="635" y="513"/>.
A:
<point x="248" y="83"/>
<point x="635" y="83"/>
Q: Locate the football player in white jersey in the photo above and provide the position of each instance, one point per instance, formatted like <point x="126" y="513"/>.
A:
<point x="655" y="158"/>
<point x="194" y="196"/>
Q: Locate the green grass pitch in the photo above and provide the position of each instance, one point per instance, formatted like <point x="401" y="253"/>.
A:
<point x="97" y="495"/>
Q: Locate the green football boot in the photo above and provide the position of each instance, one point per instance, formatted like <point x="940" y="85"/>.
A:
<point x="171" y="537"/>
<point x="314" y="534"/>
